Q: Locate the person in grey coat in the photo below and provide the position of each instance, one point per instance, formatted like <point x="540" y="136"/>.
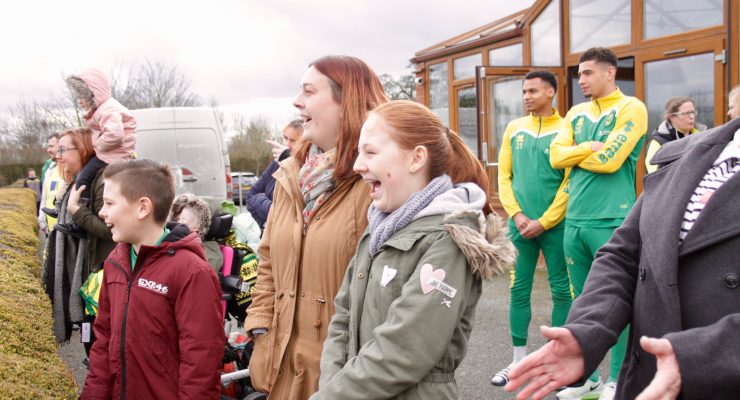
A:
<point x="34" y="183"/>
<point x="672" y="272"/>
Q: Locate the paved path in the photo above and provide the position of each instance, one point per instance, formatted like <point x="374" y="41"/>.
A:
<point x="490" y="344"/>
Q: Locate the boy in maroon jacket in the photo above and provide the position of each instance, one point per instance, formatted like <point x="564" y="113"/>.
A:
<point x="159" y="328"/>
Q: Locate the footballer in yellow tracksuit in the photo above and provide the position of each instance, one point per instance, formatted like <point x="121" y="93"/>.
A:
<point x="528" y="184"/>
<point x="601" y="187"/>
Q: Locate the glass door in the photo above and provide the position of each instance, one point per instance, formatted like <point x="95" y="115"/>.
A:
<point x="696" y="71"/>
<point x="500" y="102"/>
<point x="698" y="74"/>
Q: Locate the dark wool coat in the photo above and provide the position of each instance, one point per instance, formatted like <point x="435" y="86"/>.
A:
<point x="688" y="294"/>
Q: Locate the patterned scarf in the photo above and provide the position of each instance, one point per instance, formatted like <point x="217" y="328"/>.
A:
<point x="383" y="226"/>
<point x="316" y="179"/>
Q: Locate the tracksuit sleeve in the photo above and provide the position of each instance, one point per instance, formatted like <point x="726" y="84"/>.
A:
<point x="505" y="174"/>
<point x="629" y="129"/>
<point x="555" y="213"/>
<point x="564" y="153"/>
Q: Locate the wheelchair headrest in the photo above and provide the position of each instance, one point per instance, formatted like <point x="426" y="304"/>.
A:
<point x="220" y="226"/>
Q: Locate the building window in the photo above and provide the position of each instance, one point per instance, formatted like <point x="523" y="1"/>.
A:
<point x="603" y="23"/>
<point x="667" y="17"/>
<point x="464" y="67"/>
<point x="505" y="102"/>
<point x="696" y="77"/>
<point x="468" y="118"/>
<point x="507" y="56"/>
<point x="546" y="36"/>
<point x="439" y="97"/>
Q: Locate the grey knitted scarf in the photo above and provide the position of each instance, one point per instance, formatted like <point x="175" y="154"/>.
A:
<point x="68" y="263"/>
<point x="384" y="225"/>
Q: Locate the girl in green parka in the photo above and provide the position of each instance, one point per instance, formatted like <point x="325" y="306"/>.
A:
<point x="405" y="309"/>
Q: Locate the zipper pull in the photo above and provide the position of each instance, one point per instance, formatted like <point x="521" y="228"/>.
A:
<point x="128" y="292"/>
<point x="317" y="324"/>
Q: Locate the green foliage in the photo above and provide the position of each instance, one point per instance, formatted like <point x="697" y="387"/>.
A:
<point x="247" y="149"/>
<point x="11" y="173"/>
<point x="29" y="365"/>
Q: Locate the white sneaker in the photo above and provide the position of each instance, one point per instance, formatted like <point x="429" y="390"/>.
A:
<point x="502" y="377"/>
<point x="575" y="393"/>
<point x="608" y="391"/>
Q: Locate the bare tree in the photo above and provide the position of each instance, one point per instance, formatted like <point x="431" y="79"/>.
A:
<point x="27" y="123"/>
<point x="26" y="126"/>
<point x="152" y="84"/>
<point x="403" y="88"/>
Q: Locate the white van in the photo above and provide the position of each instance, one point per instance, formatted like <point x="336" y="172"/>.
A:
<point x="191" y="141"/>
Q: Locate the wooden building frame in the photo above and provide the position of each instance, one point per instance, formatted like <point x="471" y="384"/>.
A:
<point x="722" y="41"/>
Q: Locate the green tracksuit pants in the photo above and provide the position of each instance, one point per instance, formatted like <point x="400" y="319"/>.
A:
<point x="580" y="246"/>
<point x="522" y="277"/>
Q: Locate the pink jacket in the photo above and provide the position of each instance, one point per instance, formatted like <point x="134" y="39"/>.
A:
<point x="113" y="126"/>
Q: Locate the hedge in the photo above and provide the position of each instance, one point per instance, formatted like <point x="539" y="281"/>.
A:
<point x="29" y="365"/>
<point x="10" y="173"/>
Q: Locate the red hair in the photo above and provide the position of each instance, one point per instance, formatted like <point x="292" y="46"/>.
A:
<point x="413" y="124"/>
<point x="82" y="140"/>
<point x="357" y="90"/>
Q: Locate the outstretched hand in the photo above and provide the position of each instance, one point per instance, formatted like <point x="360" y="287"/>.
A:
<point x="667" y="381"/>
<point x="277" y="149"/>
<point x="557" y="363"/>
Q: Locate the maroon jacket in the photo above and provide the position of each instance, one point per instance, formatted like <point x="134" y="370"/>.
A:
<point x="159" y="332"/>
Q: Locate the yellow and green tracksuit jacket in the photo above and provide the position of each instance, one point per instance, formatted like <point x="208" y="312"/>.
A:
<point x="601" y="186"/>
<point x="527" y="182"/>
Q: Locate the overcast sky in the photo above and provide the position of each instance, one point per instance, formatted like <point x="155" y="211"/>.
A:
<point x="248" y="55"/>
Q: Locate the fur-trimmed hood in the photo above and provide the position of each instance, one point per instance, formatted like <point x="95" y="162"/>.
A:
<point x="97" y="83"/>
<point x="488" y="249"/>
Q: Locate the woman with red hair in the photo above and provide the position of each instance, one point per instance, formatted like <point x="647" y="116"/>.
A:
<point x="318" y="213"/>
<point x="70" y="259"/>
<point x="405" y="309"/>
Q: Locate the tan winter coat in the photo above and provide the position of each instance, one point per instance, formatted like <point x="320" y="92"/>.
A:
<point x="300" y="272"/>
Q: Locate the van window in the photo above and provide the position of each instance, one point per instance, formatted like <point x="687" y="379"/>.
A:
<point x="191" y="152"/>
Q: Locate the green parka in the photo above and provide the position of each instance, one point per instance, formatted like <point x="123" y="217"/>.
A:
<point x="403" y="317"/>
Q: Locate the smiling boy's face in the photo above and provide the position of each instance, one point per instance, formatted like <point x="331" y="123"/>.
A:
<point x="124" y="218"/>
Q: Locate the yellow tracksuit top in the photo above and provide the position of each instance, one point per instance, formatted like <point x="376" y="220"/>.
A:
<point x="527" y="182"/>
<point x="601" y="186"/>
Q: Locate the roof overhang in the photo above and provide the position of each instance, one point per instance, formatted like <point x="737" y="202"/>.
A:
<point x="468" y="45"/>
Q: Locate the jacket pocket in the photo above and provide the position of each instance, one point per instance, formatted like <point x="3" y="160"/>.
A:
<point x="314" y="315"/>
<point x="260" y="365"/>
<point x="167" y="362"/>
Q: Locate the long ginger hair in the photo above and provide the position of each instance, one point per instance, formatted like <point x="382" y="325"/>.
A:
<point x="413" y="124"/>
